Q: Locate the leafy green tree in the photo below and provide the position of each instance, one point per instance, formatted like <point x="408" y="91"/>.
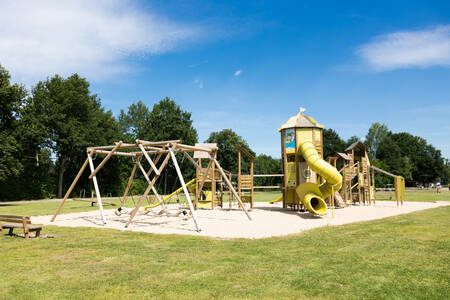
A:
<point x="391" y="154"/>
<point x="74" y="120"/>
<point x="12" y="98"/>
<point x="134" y="122"/>
<point x="228" y="141"/>
<point x="332" y="143"/>
<point x="377" y="132"/>
<point x="351" y="140"/>
<point x="167" y="121"/>
<point x="266" y="164"/>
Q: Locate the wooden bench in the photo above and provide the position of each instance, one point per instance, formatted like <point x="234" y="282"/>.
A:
<point x="11" y="222"/>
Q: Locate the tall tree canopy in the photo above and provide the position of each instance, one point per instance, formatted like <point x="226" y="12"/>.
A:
<point x="412" y="157"/>
<point x="74" y="119"/>
<point x="12" y="98"/>
<point x="377" y="132"/>
<point x="228" y="141"/>
<point x="134" y="122"/>
<point x="332" y="143"/>
<point x="351" y="140"/>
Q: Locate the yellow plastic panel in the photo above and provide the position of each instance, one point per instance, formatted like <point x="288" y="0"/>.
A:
<point x="304" y="135"/>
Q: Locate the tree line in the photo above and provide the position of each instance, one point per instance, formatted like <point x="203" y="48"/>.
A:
<point x="45" y="131"/>
<point x="399" y="153"/>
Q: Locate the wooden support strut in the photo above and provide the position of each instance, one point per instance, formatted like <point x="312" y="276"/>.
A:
<point x="153" y="187"/>
<point x="130" y="181"/>
<point x="129" y="154"/>
<point x="105" y="159"/>
<point x="202" y="182"/>
<point x="74" y="182"/>
<point x="147" y="191"/>
<point x="195" y="164"/>
<point x="149" y="159"/>
<point x="97" y="191"/>
<point x="186" y="192"/>
<point x="231" y="188"/>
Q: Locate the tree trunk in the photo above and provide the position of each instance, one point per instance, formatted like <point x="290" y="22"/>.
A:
<point x="61" y="176"/>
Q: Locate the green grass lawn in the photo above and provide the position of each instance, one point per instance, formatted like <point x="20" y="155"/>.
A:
<point x="402" y="257"/>
<point x="420" y="195"/>
<point x="48" y="208"/>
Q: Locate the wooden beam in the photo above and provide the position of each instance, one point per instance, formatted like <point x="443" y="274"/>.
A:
<point x="130" y="154"/>
<point x="230" y="186"/>
<point x="195" y="164"/>
<point x="149" y="160"/>
<point x="158" y="197"/>
<point x="202" y="182"/>
<point x="136" y="209"/>
<point x="162" y="143"/>
<point x="185" y="190"/>
<point x="130" y="181"/>
<point x="383" y="171"/>
<point x="105" y="160"/>
<point x="158" y="157"/>
<point x="97" y="191"/>
<point x="245" y="152"/>
<point x="192" y="148"/>
<point x="74" y="182"/>
<point x="252" y="190"/>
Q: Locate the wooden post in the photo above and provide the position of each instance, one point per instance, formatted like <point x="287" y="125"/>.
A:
<point x="252" y="188"/>
<point x="144" y="196"/>
<point x="345" y="183"/>
<point x="195" y="164"/>
<point x="373" y="183"/>
<point x="198" y="193"/>
<point x="148" y="159"/>
<point x="230" y="197"/>
<point x="158" y="197"/>
<point x="185" y="190"/>
<point x="213" y="185"/>
<point x="284" y="166"/>
<point x="230" y="186"/>
<point x="105" y="159"/>
<point x="239" y="174"/>
<point x="397" y="194"/>
<point x="130" y="181"/>
<point x="202" y="182"/>
<point x="97" y="191"/>
<point x="158" y="157"/>
<point x="74" y="182"/>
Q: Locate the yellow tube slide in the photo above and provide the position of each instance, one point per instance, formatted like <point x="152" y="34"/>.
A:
<point x="276" y="200"/>
<point x="311" y="194"/>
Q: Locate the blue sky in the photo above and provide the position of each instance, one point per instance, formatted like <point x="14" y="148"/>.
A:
<point x="248" y="66"/>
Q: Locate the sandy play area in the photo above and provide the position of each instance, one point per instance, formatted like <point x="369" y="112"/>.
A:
<point x="269" y="220"/>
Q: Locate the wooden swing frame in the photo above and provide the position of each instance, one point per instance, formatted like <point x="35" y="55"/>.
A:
<point x="141" y="150"/>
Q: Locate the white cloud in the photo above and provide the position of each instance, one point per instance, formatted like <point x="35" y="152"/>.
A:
<point x="94" y="38"/>
<point x="199" y="83"/>
<point x="408" y="49"/>
<point x="237" y="73"/>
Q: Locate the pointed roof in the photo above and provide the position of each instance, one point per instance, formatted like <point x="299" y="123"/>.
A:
<point x="300" y="120"/>
<point x="358" y="144"/>
<point x="201" y="154"/>
<point x="344" y="156"/>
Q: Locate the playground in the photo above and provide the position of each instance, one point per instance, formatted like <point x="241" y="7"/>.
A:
<point x="268" y="220"/>
<point x="341" y="235"/>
